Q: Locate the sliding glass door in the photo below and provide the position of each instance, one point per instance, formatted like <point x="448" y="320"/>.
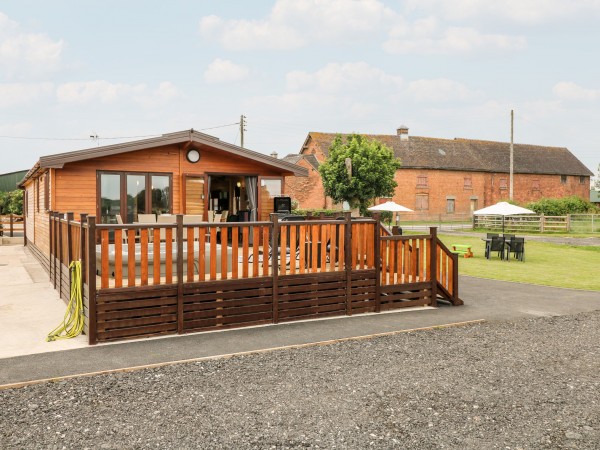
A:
<point x="128" y="194"/>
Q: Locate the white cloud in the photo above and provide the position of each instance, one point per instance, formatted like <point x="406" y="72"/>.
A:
<point x="441" y="90"/>
<point x="99" y="91"/>
<point x="23" y="53"/>
<point x="224" y="71"/>
<point x="342" y="77"/>
<point x="425" y="37"/>
<point x="567" y="90"/>
<point x="296" y="23"/>
<point x="13" y="94"/>
<point x="518" y="11"/>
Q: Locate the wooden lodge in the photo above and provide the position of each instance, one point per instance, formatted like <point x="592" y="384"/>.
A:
<point x="175" y="234"/>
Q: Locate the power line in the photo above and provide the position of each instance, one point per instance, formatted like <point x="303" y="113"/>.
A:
<point x="96" y="137"/>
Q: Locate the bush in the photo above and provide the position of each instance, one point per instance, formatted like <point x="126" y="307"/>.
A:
<point x="316" y="212"/>
<point x="11" y="202"/>
<point x="562" y="206"/>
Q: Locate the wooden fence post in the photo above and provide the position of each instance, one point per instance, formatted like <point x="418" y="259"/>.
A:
<point x="275" y="257"/>
<point x="69" y="239"/>
<point x="433" y="265"/>
<point x="60" y="256"/>
<point x="568" y="224"/>
<point x="377" y="259"/>
<point x="50" y="242"/>
<point x="542" y="223"/>
<point x="180" y="273"/>
<point x="348" y="260"/>
<point x="91" y="278"/>
<point x="82" y="221"/>
<point x="11" y="224"/>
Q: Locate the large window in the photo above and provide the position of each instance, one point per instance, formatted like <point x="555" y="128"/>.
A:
<point x="130" y="194"/>
<point x="269" y="189"/>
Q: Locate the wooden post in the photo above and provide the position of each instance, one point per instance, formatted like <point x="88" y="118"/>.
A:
<point x="60" y="256"/>
<point x="69" y="239"/>
<point x="454" y="275"/>
<point x="377" y="251"/>
<point x="24" y="219"/>
<point x="433" y="265"/>
<point x="275" y="265"/>
<point x="82" y="221"/>
<point x="180" y="273"/>
<point x="396" y="230"/>
<point x="474" y="221"/>
<point x="568" y="224"/>
<point x="50" y="241"/>
<point x="11" y="225"/>
<point x="308" y="215"/>
<point x="91" y="277"/>
<point x="348" y="260"/>
<point x="55" y="230"/>
<point x="542" y="223"/>
<point x="322" y="215"/>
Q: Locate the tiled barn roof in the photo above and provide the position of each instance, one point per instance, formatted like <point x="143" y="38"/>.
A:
<point x="471" y="155"/>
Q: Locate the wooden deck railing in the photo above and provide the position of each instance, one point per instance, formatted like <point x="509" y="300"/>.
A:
<point x="11" y="223"/>
<point x="149" y="279"/>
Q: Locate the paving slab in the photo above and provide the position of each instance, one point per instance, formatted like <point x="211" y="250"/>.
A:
<point x="491" y="300"/>
<point x="29" y="306"/>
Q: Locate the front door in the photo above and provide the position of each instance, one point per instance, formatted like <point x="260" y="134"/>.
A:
<point x="473" y="205"/>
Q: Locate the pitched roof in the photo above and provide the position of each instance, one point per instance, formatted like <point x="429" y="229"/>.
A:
<point x="469" y="154"/>
<point x="201" y="140"/>
<point x="310" y="159"/>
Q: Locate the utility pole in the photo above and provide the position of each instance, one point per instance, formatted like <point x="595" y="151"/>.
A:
<point x="242" y="128"/>
<point x="512" y="156"/>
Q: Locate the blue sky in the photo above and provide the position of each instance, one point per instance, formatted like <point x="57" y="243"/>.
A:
<point x="70" y="69"/>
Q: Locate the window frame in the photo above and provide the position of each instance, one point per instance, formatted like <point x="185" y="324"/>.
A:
<point x="123" y="189"/>
<point x="563" y="179"/>
<point x="581" y="179"/>
<point x="535" y="185"/>
<point x="503" y="184"/>
<point x="424" y="184"/>
<point x="469" y="184"/>
<point x="450" y="201"/>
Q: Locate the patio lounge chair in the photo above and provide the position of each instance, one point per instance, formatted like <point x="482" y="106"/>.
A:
<point x="495" y="245"/>
<point x="516" y="246"/>
<point x="166" y="218"/>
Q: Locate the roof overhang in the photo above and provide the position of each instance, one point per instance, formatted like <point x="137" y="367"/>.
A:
<point x="189" y="137"/>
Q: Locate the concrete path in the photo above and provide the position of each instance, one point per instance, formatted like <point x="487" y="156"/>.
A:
<point x="491" y="300"/>
<point x="29" y="306"/>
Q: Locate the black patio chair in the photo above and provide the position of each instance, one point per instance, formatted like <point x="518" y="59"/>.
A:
<point x="495" y="245"/>
<point x="516" y="246"/>
<point x="491" y="235"/>
<point x="508" y="237"/>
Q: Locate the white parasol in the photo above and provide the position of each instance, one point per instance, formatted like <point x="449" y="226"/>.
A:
<point x="390" y="206"/>
<point x="502" y="209"/>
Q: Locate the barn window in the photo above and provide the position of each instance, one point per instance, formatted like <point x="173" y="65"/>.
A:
<point x="422" y="181"/>
<point x="581" y="180"/>
<point x="422" y="202"/>
<point x="535" y="185"/>
<point x="563" y="179"/>
<point x="503" y="183"/>
<point x="468" y="183"/>
<point x="450" y="205"/>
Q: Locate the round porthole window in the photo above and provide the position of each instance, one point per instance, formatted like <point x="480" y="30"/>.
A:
<point x="193" y="156"/>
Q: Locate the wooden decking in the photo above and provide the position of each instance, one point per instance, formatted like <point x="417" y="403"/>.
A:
<point x="206" y="276"/>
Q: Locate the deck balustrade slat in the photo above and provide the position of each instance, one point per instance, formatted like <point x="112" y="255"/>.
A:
<point x="283" y="254"/>
<point x="332" y="247"/>
<point x="144" y="257"/>
<point x="190" y="254"/>
<point x="213" y="253"/>
<point x="324" y="238"/>
<point x="168" y="256"/>
<point x="293" y="249"/>
<point x="255" y="250"/>
<point x="224" y="236"/>
<point x="104" y="258"/>
<point x="130" y="257"/>
<point x="202" y="254"/>
<point x="265" y="266"/>
<point x="234" y="252"/>
<point x="302" y="249"/>
<point x="156" y="251"/>
<point x="314" y="236"/>
<point x="118" y="258"/>
<point x="245" y="252"/>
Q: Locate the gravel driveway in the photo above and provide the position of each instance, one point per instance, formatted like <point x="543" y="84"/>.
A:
<point x="524" y="384"/>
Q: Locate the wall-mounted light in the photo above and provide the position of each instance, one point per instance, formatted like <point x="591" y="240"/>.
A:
<point x="193" y="156"/>
<point x="239" y="184"/>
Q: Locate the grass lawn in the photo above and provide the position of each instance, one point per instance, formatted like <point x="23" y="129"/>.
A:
<point x="547" y="264"/>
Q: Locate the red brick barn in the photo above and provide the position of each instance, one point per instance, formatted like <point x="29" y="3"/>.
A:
<point x="452" y="175"/>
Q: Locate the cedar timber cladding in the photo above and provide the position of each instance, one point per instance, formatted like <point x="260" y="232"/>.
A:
<point x="471" y="171"/>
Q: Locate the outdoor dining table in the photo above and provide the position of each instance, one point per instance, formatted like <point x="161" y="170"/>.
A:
<point x="488" y="244"/>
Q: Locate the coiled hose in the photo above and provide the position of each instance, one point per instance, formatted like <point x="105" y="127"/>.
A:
<point x="72" y="324"/>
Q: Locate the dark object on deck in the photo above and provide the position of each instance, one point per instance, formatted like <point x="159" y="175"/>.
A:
<point x="508" y="237"/>
<point x="491" y="235"/>
<point x="282" y="204"/>
<point x="516" y="246"/>
<point x="495" y="245"/>
<point x="244" y="215"/>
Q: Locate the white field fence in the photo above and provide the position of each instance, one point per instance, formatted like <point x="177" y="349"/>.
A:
<point x="575" y="223"/>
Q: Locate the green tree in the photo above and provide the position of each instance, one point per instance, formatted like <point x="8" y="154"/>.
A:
<point x="373" y="170"/>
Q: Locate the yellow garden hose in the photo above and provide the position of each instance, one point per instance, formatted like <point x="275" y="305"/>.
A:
<point x="72" y="324"/>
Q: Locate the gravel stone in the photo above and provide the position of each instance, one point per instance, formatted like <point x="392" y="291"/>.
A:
<point x="527" y="384"/>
